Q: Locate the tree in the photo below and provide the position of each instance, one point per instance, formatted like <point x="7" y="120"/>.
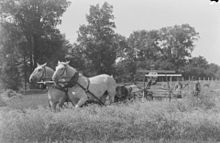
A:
<point x="213" y="70"/>
<point x="35" y="21"/>
<point x="146" y="44"/>
<point x="97" y="39"/>
<point x="177" y="43"/>
<point x="196" y="67"/>
<point x="9" y="56"/>
<point x="166" y="48"/>
<point x="76" y="57"/>
<point x="125" y="65"/>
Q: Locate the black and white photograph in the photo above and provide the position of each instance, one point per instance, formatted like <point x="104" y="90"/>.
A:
<point x="109" y="71"/>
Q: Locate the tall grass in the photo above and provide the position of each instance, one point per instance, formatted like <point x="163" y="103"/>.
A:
<point x="137" y="121"/>
<point x="192" y="119"/>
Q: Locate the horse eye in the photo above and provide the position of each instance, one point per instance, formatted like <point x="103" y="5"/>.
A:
<point x="39" y="69"/>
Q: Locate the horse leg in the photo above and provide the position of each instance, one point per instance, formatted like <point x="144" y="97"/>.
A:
<point x="62" y="101"/>
<point x="81" y="101"/>
<point x="49" y="104"/>
<point x="53" y="105"/>
<point x="111" y="95"/>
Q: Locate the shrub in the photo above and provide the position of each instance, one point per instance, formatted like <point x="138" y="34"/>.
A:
<point x="10" y="94"/>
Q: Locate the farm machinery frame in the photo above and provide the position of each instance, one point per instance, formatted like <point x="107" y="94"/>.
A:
<point x="151" y="77"/>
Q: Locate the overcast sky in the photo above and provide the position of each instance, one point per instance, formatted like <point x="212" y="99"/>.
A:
<point x="132" y="15"/>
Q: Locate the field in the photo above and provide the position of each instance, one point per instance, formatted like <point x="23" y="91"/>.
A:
<point x="27" y="118"/>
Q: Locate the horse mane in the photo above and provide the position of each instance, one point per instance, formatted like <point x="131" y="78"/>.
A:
<point x="50" y="71"/>
<point x="49" y="68"/>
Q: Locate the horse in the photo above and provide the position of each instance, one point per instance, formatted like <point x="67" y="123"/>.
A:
<point x="81" y="88"/>
<point x="56" y="94"/>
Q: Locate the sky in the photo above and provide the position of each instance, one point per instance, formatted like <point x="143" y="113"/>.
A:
<point x="133" y="15"/>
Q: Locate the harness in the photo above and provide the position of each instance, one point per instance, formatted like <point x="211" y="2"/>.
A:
<point x="44" y="76"/>
<point x="44" y="73"/>
<point x="56" y="86"/>
<point x="74" y="81"/>
<point x="64" y="89"/>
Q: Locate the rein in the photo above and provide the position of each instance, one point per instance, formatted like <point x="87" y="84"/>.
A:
<point x="87" y="91"/>
<point x="44" y="75"/>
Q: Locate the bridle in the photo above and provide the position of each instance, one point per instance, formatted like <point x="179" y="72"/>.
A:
<point x="44" y="74"/>
<point x="73" y="80"/>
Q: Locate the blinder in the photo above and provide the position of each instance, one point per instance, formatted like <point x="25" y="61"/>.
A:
<point x="44" y="73"/>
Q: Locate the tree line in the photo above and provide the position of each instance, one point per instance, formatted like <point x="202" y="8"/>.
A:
<point x="29" y="35"/>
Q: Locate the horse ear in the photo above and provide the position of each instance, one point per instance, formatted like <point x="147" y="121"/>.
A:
<point x="44" y="64"/>
<point x="59" y="62"/>
<point x="38" y="64"/>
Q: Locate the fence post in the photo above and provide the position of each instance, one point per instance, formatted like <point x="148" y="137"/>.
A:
<point x="144" y="88"/>
<point x="169" y="87"/>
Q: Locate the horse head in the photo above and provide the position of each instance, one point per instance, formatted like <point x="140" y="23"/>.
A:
<point x="41" y="72"/>
<point x="64" y="72"/>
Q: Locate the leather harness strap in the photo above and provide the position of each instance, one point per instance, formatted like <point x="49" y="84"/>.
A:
<point x="44" y="73"/>
<point x="87" y="91"/>
<point x="74" y="81"/>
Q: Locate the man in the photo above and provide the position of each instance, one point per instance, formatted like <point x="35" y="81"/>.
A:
<point x="178" y="88"/>
<point x="197" y="88"/>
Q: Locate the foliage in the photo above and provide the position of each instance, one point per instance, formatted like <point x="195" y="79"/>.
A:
<point x="29" y="35"/>
<point x="32" y="35"/>
<point x="10" y="39"/>
<point x="177" y="43"/>
<point x="167" y="48"/>
<point x="198" y="67"/>
<point x="10" y="94"/>
<point x="97" y="39"/>
<point x="77" y="59"/>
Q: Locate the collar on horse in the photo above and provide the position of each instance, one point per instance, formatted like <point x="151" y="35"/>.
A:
<point x="73" y="81"/>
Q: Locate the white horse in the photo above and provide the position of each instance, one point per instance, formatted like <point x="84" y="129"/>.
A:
<point x="81" y="88"/>
<point x="56" y="95"/>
